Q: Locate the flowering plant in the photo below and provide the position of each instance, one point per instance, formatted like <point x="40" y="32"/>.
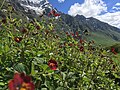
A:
<point x="21" y="81"/>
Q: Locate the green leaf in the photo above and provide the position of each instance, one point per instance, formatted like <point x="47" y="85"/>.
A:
<point x="2" y="84"/>
<point x="33" y="69"/>
<point x="47" y="83"/>
<point x="19" y="67"/>
<point x="44" y="89"/>
<point x="6" y="48"/>
<point x="60" y="88"/>
<point x="44" y="66"/>
<point x="63" y="75"/>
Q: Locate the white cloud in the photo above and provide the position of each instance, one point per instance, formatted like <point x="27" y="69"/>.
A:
<point x="60" y="1"/>
<point x="110" y="18"/>
<point x="89" y="8"/>
<point x="116" y="8"/>
<point x="96" y="8"/>
<point x="117" y="4"/>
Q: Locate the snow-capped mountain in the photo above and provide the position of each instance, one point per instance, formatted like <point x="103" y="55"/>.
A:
<point x="34" y="6"/>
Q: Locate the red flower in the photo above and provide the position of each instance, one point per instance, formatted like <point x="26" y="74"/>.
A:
<point x="93" y="41"/>
<point x="70" y="44"/>
<point x="56" y="14"/>
<point x="53" y="12"/>
<point x="77" y="34"/>
<point x="38" y="27"/>
<point x="81" y="41"/>
<point x="46" y="32"/>
<point x="18" y="39"/>
<point x="4" y="20"/>
<point x="23" y="30"/>
<point x="67" y="34"/>
<point x="60" y="46"/>
<point x="72" y="34"/>
<point x="52" y="64"/>
<point x="81" y="48"/>
<point x="113" y="51"/>
<point x="21" y="82"/>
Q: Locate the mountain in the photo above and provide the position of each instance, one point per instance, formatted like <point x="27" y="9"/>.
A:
<point x="101" y="32"/>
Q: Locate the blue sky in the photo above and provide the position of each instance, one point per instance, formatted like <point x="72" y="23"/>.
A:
<point x="105" y="10"/>
<point x="64" y="6"/>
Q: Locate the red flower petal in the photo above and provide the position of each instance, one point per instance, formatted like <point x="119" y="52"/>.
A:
<point x="27" y="79"/>
<point x="53" y="12"/>
<point x="32" y="86"/>
<point x="56" y="14"/>
<point x="22" y="75"/>
<point x="113" y="51"/>
<point x="72" y="34"/>
<point x="17" y="80"/>
<point x="11" y="85"/>
<point x="82" y="41"/>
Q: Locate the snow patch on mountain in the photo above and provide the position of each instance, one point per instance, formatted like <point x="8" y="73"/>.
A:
<point x="38" y="6"/>
<point x="34" y="1"/>
<point x="38" y="10"/>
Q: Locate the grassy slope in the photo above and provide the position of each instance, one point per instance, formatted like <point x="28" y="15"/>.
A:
<point x="102" y="39"/>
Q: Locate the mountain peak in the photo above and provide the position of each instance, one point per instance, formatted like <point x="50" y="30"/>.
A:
<point x="35" y="6"/>
<point x="80" y="17"/>
<point x="34" y="1"/>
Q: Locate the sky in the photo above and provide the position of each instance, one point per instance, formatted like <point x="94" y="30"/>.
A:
<point x="104" y="10"/>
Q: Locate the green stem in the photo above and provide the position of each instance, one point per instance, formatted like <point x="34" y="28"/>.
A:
<point x="2" y="4"/>
<point x="95" y="72"/>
